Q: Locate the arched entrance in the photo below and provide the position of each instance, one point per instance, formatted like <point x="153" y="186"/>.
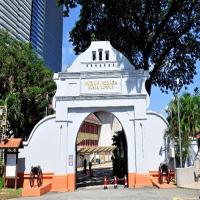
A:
<point x="123" y="114"/>
<point x="101" y="150"/>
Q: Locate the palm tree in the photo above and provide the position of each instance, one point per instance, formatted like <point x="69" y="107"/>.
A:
<point x="189" y="121"/>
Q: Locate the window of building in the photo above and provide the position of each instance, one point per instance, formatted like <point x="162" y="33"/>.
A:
<point x="107" y="55"/>
<point x="92" y="129"/>
<point x="96" y="129"/>
<point x="93" y="55"/>
<point x="100" y="54"/>
<point x="89" y="128"/>
<point x="84" y="128"/>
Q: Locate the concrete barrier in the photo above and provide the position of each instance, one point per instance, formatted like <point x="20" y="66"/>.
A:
<point x="184" y="176"/>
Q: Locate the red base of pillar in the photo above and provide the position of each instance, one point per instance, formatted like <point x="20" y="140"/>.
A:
<point x="139" y="180"/>
<point x="51" y="182"/>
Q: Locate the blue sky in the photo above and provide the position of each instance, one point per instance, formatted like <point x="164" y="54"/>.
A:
<point x="158" y="100"/>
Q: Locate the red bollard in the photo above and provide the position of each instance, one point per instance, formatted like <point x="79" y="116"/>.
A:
<point x="115" y="181"/>
<point x="105" y="183"/>
<point x="125" y="182"/>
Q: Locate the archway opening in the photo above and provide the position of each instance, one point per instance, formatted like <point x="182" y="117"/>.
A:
<point x="101" y="150"/>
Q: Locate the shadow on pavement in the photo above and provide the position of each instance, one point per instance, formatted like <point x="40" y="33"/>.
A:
<point x="84" y="180"/>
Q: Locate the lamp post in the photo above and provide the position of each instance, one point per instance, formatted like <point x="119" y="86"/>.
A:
<point x="3" y="119"/>
<point x="179" y="126"/>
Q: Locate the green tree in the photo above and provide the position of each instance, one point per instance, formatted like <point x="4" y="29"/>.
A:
<point x="25" y="84"/>
<point x="119" y="158"/>
<point x="162" y="36"/>
<point x="189" y="121"/>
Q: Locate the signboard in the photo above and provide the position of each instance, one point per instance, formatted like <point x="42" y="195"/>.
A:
<point x="70" y="160"/>
<point x="101" y="86"/>
<point x="11" y="165"/>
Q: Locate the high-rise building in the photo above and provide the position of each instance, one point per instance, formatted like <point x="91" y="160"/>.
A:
<point x="37" y="21"/>
<point x="53" y="35"/>
<point x="37" y="26"/>
<point x="15" y="17"/>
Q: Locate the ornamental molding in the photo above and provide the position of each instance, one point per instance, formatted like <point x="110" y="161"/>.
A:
<point x="100" y="97"/>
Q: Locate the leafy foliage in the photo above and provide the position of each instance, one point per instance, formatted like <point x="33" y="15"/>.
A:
<point x="189" y="120"/>
<point x="119" y="158"/>
<point x="25" y="83"/>
<point x="162" y="36"/>
<point x="1" y="170"/>
<point x="1" y="182"/>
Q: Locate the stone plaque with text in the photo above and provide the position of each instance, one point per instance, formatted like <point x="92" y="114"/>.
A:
<point x="101" y="86"/>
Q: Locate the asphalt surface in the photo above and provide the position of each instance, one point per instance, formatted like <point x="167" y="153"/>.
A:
<point x="97" y="177"/>
<point x="91" y="187"/>
<point x="121" y="193"/>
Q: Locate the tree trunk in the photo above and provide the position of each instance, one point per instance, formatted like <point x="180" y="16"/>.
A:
<point x="148" y="86"/>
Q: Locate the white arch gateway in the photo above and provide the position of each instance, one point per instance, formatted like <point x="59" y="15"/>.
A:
<point x="100" y="79"/>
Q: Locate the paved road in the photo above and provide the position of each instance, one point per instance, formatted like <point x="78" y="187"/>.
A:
<point x="99" y="171"/>
<point x="96" y="178"/>
<point x="120" y="194"/>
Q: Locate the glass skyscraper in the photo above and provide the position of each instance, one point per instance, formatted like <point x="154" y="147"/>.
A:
<point x="15" y="17"/>
<point x="53" y="35"/>
<point x="37" y="25"/>
<point x="37" y="21"/>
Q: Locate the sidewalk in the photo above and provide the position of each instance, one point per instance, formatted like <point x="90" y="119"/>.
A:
<point x="195" y="186"/>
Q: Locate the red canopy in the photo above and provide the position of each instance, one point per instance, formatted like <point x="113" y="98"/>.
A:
<point x="11" y="143"/>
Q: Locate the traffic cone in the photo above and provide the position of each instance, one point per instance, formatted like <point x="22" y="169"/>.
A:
<point x="105" y="183"/>
<point x="125" y="182"/>
<point x="115" y="182"/>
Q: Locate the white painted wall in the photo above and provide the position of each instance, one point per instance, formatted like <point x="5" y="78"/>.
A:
<point x="84" y="62"/>
<point x="193" y="150"/>
<point x="153" y="136"/>
<point x="46" y="147"/>
<point x="109" y="126"/>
